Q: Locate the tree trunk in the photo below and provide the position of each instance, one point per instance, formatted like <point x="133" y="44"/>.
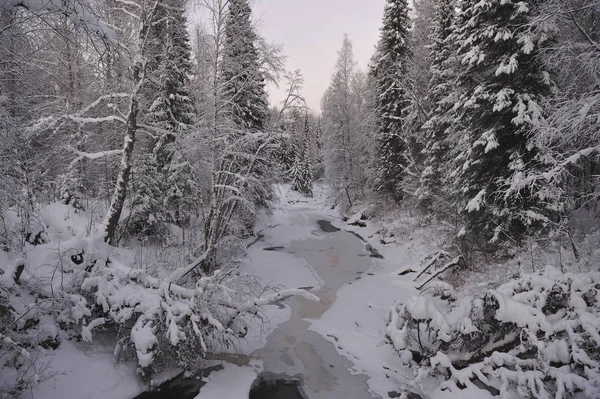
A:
<point x="113" y="215"/>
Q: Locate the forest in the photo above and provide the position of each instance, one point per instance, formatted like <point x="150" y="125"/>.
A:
<point x="144" y="164"/>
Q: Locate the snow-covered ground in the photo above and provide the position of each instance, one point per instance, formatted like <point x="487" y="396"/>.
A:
<point x="74" y="369"/>
<point x="88" y="372"/>
<point x="335" y="347"/>
<point x="233" y="382"/>
<point x="355" y="322"/>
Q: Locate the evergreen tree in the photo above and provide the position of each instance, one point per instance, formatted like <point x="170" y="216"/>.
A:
<point x="443" y="95"/>
<point x="243" y="81"/>
<point x="162" y="178"/>
<point x="390" y="73"/>
<point x="284" y="156"/>
<point x="173" y="107"/>
<point x="503" y="84"/>
<point x="146" y="215"/>
<point x="319" y="136"/>
<point x="318" y="164"/>
<point x="173" y="110"/>
<point x="301" y="172"/>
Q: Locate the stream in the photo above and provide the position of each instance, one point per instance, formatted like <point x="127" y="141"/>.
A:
<point x="299" y="363"/>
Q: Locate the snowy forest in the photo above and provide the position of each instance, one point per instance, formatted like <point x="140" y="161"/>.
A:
<point x="429" y="232"/>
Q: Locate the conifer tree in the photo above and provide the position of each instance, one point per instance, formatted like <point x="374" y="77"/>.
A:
<point x="442" y="95"/>
<point x="163" y="180"/>
<point x="503" y="84"/>
<point x="301" y="172"/>
<point x="390" y="73"/>
<point x="173" y="106"/>
<point x="319" y="136"/>
<point x="243" y="81"/>
<point x="146" y="216"/>
<point x="174" y="111"/>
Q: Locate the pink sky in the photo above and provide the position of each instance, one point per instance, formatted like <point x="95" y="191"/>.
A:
<point x="312" y="32"/>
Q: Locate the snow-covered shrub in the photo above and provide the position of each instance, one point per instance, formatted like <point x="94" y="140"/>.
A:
<point x="161" y="322"/>
<point x="536" y="336"/>
<point x="25" y="328"/>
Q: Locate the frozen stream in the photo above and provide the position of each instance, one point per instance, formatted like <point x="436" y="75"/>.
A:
<point x="300" y="249"/>
<point x="337" y="258"/>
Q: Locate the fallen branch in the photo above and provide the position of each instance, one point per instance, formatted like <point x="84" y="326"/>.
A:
<point x="184" y="271"/>
<point x="454" y="262"/>
<point x="252" y="306"/>
<point x="432" y="262"/>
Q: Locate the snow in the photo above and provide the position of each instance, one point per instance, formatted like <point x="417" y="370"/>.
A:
<point x="349" y="316"/>
<point x="62" y="221"/>
<point x="233" y="382"/>
<point x="278" y="268"/>
<point x="86" y="331"/>
<point x="345" y="329"/>
<point x="87" y="372"/>
<point x="507" y="67"/>
<point x="423" y="308"/>
<point x="476" y="202"/>
<point x="521" y="314"/>
<point x="142" y="335"/>
<point x="467" y="393"/>
<point x="527" y="43"/>
<point x="503" y="100"/>
<point x="75" y="370"/>
<point x="355" y="320"/>
<point x="275" y="268"/>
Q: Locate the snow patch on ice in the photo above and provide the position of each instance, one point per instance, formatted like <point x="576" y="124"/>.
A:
<point x="233" y="382"/>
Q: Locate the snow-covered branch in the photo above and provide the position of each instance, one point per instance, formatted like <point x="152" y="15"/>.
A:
<point x="80" y="155"/>
<point x="85" y="120"/>
<point x="77" y="10"/>
<point x="94" y="155"/>
<point x="534" y="336"/>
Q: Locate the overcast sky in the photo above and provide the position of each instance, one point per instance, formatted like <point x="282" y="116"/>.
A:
<point x="312" y="32"/>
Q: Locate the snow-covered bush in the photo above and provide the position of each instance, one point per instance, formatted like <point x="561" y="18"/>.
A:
<point x="161" y="322"/>
<point x="536" y="336"/>
<point x="25" y="330"/>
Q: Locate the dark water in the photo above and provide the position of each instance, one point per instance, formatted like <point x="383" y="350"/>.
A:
<point x="272" y="387"/>
<point x="327" y="227"/>
<point x="277" y="248"/>
<point x="180" y="387"/>
<point x="266" y="386"/>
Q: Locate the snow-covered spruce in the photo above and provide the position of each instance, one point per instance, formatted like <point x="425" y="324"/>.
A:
<point x="301" y="171"/>
<point x="161" y="321"/>
<point x="536" y="336"/>
<point x="389" y="71"/>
